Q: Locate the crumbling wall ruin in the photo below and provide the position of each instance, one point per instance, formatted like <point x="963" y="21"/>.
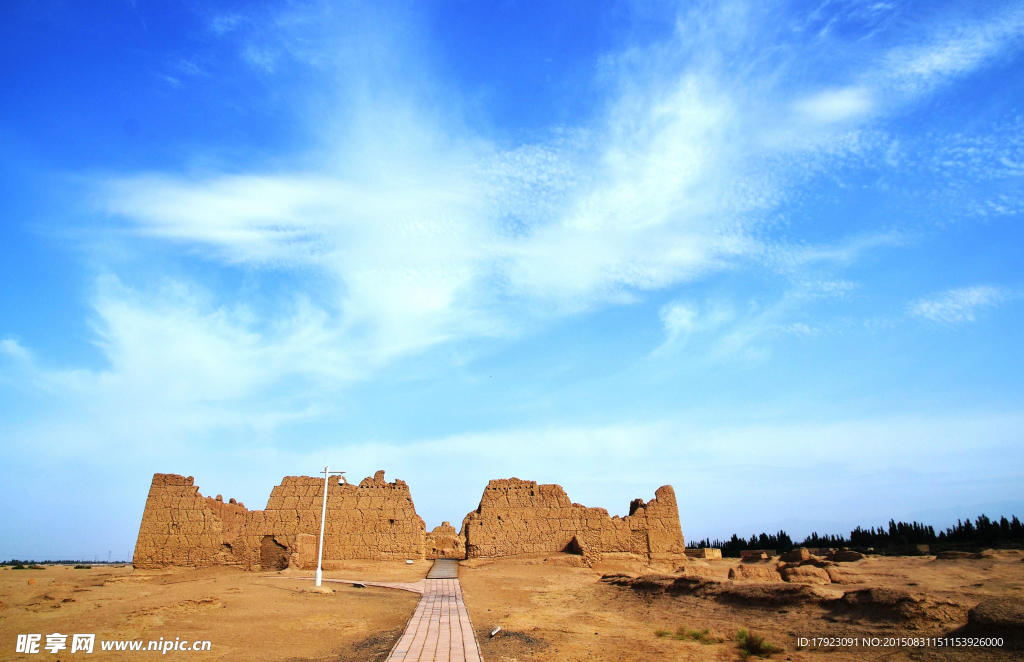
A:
<point x="373" y="520"/>
<point x="521" y="517"/>
<point x="444" y="542"/>
<point x="182" y="527"/>
<point x="376" y="520"/>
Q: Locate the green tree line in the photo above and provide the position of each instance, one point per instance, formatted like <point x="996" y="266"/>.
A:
<point x="981" y="532"/>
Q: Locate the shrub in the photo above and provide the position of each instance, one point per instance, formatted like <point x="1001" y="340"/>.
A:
<point x="754" y="644"/>
<point x="661" y="632"/>
<point x="83" y="567"/>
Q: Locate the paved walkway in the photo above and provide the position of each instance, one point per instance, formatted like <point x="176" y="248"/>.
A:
<point x="444" y="569"/>
<point x="439" y="630"/>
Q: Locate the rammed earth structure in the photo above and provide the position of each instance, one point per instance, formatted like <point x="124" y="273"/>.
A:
<point x="377" y="520"/>
<point x="521" y="517"/>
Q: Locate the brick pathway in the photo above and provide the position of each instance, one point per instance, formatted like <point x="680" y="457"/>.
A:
<point x="444" y="569"/>
<point x="439" y="630"/>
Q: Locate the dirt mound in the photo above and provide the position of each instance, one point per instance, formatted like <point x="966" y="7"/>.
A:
<point x="844" y="556"/>
<point x="804" y="574"/>
<point x="618" y="579"/>
<point x="697" y="572"/>
<point x="510" y="644"/>
<point x="998" y="617"/>
<point x="952" y="556"/>
<point x="837" y="576"/>
<point x="654" y="583"/>
<point x="774" y="595"/>
<point x="795" y="556"/>
<point x="893" y="605"/>
<point x="762" y="593"/>
<point x="374" y="648"/>
<point x="758" y="573"/>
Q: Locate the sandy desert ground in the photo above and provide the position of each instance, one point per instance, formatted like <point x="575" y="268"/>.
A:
<point x="553" y="613"/>
<point x="547" y="609"/>
<point x="245" y="615"/>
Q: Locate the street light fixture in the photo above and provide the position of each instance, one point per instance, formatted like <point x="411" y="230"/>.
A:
<point x="323" y="519"/>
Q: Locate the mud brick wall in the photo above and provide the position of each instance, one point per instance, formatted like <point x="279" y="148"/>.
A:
<point x="444" y="542"/>
<point x="521" y="517"/>
<point x="376" y="520"/>
<point x="181" y="527"/>
<point x="373" y="520"/>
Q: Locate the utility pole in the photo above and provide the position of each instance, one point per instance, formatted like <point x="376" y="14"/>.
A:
<point x="323" y="520"/>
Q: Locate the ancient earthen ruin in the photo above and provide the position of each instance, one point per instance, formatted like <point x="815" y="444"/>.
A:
<point x="373" y="520"/>
<point x="377" y="520"/>
<point x="521" y="517"/>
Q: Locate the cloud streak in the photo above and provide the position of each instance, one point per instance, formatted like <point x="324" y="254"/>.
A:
<point x="959" y="305"/>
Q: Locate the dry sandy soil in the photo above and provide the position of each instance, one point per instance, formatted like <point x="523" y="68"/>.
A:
<point x="246" y="615"/>
<point x="547" y="610"/>
<point x="560" y="613"/>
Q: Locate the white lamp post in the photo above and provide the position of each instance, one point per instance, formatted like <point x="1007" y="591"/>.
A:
<point x="323" y="519"/>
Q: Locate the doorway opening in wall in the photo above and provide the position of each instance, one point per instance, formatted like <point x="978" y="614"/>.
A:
<point x="273" y="555"/>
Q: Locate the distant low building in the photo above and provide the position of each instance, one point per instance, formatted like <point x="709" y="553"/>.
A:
<point x="704" y="553"/>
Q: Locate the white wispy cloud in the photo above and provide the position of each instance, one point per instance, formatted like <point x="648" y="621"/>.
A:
<point x="952" y="49"/>
<point x="733" y="330"/>
<point x="837" y="105"/>
<point x="426" y="232"/>
<point x="431" y="233"/>
<point x="959" y="305"/>
<point x="678" y="319"/>
<point x="14" y="349"/>
<point x="178" y="363"/>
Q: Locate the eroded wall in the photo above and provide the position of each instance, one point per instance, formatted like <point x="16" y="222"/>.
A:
<point x="377" y="520"/>
<point x="521" y="517"/>
<point x="444" y="542"/>
<point x="373" y="520"/>
<point x="182" y="527"/>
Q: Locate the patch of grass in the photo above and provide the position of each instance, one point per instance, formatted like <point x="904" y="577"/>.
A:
<point x="703" y="636"/>
<point x="754" y="644"/>
<point x="684" y="633"/>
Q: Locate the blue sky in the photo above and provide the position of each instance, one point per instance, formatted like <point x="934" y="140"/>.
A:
<point x="766" y="252"/>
